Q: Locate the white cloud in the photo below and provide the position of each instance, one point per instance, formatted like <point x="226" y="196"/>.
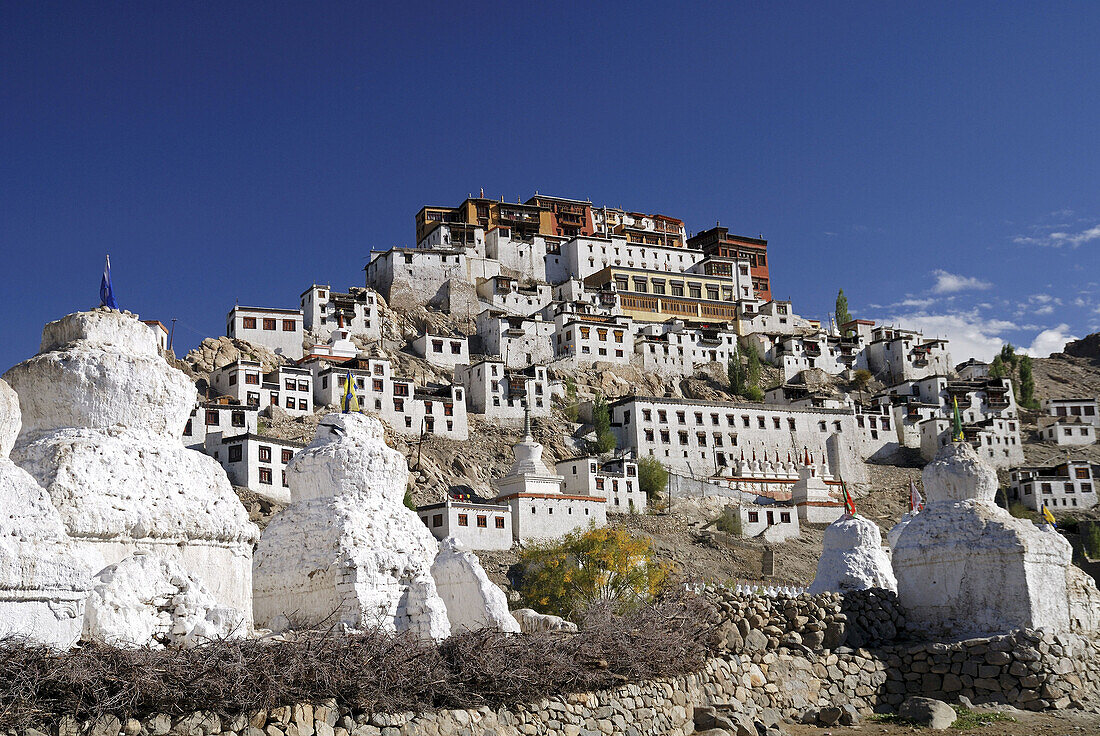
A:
<point x="1043" y="311"/>
<point x="1049" y="341"/>
<point x="949" y="283"/>
<point x="1057" y="239"/>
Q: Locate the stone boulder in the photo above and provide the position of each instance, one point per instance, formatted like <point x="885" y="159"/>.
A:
<point x="148" y="601"/>
<point x="216" y="352"/>
<point x="43" y="582"/>
<point x="102" y="433"/>
<point x="966" y="567"/>
<point x="852" y="558"/>
<point x="928" y="712"/>
<point x="472" y="600"/>
<point x="347" y="549"/>
<point x="531" y="621"/>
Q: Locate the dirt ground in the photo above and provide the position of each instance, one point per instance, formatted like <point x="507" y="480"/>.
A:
<point x="1053" y="723"/>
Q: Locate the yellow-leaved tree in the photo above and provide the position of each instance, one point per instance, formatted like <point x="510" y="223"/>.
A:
<point x="588" y="566"/>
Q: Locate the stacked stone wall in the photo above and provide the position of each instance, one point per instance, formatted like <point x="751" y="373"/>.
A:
<point x="785" y="653"/>
<point x="1033" y="670"/>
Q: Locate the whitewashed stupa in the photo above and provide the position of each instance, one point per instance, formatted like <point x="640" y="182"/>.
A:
<point x="346" y="550"/>
<point x="473" y="601"/>
<point x="103" y="419"/>
<point x="966" y="567"/>
<point x="852" y="558"/>
<point x="43" y="582"/>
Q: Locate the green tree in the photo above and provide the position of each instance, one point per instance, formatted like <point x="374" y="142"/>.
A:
<point x="652" y="476"/>
<point x="1090" y="538"/>
<point x="1027" y="384"/>
<point x="408" y="500"/>
<point x="997" y="368"/>
<point x="588" y="566"/>
<point x="736" y="373"/>
<point x="570" y="399"/>
<point x="753" y="370"/>
<point x="601" y="419"/>
<point x="843" y="316"/>
<point x="1008" y="354"/>
<point x="861" y="379"/>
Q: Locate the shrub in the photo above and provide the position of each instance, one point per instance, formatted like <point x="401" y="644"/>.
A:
<point x="730" y="521"/>
<point x="1022" y="512"/>
<point x="652" y="476"/>
<point x="372" y="672"/>
<point x="601" y="418"/>
<point x="754" y="393"/>
<point x="586" y="567"/>
<point x="570" y="407"/>
<point x="1090" y="538"/>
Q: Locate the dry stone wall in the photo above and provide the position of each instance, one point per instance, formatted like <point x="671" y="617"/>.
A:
<point x="1033" y="670"/>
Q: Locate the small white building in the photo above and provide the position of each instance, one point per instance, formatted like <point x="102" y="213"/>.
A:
<point x="525" y="255"/>
<point x="615" y="480"/>
<point x="1084" y="408"/>
<point x="996" y="440"/>
<point x="443" y="351"/>
<point x="288" y="387"/>
<point x="476" y="524"/>
<point x="1067" y="431"/>
<point x="161" y="332"/>
<point x="772" y="522"/>
<point x="228" y="419"/>
<point x="409" y="409"/>
<point x="895" y="355"/>
<point x="256" y="462"/>
<point x="972" y="370"/>
<point x="582" y="340"/>
<point x="503" y="393"/>
<point x="455" y="235"/>
<point x="519" y="341"/>
<point x="1071" y="484"/>
<point x="675" y="347"/>
<point x="509" y="295"/>
<point x="540" y="507"/>
<point x="356" y="310"/>
<point x="277" y="329"/>
<point x="775" y="318"/>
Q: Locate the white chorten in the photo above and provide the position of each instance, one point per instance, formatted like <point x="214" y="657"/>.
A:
<point x="473" y="601"/>
<point x="42" y="581"/>
<point x="103" y="419"/>
<point x="529" y="474"/>
<point x="966" y="567"/>
<point x="853" y="558"/>
<point x="346" y="549"/>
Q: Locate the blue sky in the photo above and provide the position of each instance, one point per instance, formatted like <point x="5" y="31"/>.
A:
<point x="938" y="161"/>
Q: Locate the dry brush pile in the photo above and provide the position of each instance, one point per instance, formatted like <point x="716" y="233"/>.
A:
<point x="372" y="672"/>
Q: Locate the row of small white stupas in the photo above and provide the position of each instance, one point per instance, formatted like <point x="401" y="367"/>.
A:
<point x="115" y="532"/>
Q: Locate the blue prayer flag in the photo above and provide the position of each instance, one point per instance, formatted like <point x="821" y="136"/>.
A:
<point x="106" y="290"/>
